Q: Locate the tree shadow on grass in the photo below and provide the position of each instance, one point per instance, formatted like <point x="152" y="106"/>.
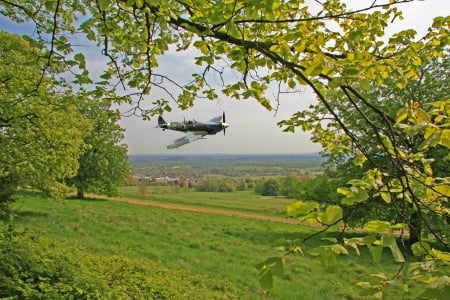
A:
<point x="85" y="199"/>
<point x="30" y="214"/>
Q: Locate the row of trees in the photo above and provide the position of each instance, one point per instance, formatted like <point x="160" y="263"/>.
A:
<point x="53" y="138"/>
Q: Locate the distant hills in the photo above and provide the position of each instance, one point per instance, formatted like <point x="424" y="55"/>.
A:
<point x="176" y="158"/>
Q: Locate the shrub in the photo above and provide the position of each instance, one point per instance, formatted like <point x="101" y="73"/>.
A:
<point x="270" y="188"/>
<point x="33" y="267"/>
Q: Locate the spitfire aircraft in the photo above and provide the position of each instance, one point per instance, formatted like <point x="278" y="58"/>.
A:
<point x="194" y="130"/>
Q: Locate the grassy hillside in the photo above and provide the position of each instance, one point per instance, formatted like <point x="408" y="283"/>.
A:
<point x="218" y="251"/>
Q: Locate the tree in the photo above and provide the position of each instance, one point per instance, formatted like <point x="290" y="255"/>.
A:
<point x="433" y="78"/>
<point x="104" y="164"/>
<point x="339" y="53"/>
<point x="41" y="131"/>
<point x="270" y="187"/>
<point x="293" y="186"/>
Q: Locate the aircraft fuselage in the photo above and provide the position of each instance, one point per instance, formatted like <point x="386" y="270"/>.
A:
<point x="194" y="126"/>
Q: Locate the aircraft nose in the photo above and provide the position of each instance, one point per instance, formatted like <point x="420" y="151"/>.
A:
<point x="225" y="125"/>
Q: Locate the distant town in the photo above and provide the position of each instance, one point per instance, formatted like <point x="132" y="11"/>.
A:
<point x="191" y="169"/>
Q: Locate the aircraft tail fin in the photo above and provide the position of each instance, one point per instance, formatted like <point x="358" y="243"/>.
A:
<point x="161" y="122"/>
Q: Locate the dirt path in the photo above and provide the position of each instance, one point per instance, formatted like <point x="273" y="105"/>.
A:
<point x="204" y="210"/>
<point x="214" y="211"/>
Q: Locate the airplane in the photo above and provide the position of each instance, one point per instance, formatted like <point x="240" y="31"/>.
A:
<point x="194" y="130"/>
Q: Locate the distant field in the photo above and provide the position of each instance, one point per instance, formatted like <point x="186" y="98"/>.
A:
<point x="239" y="200"/>
<point x="220" y="247"/>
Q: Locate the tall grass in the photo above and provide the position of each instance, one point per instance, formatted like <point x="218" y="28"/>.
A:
<point x="214" y="246"/>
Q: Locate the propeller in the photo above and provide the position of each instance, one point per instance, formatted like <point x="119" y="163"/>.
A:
<point x="224" y="124"/>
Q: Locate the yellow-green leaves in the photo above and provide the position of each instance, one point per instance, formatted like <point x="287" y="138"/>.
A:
<point x="331" y="216"/>
<point x="303" y="210"/>
<point x="273" y="266"/>
<point x="353" y="195"/>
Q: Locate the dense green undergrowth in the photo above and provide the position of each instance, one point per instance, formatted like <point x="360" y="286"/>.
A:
<point x="35" y="267"/>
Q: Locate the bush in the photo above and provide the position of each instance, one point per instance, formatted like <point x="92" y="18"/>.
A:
<point x="270" y="188"/>
<point x="33" y="267"/>
<point x="267" y="187"/>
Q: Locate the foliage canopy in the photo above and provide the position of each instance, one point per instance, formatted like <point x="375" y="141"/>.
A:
<point x="342" y="54"/>
<point x="41" y="130"/>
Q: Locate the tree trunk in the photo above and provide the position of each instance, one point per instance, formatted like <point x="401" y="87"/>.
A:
<point x="80" y="193"/>
<point x="415" y="228"/>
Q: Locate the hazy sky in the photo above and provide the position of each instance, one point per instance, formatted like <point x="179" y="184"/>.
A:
<point x="252" y="128"/>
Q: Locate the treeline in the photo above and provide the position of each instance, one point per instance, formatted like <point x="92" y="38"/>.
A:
<point x="290" y="186"/>
<point x="223" y="184"/>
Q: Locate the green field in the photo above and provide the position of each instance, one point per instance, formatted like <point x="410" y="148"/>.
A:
<point x="221" y="250"/>
<point x="242" y="200"/>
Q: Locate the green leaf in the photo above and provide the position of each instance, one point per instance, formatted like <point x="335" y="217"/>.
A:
<point x="376" y="252"/>
<point x="50" y="5"/>
<point x="365" y="84"/>
<point x="402" y="114"/>
<point x="385" y="194"/>
<point x="353" y="195"/>
<point x="401" y="83"/>
<point x="391" y="243"/>
<point x="301" y="209"/>
<point x="265" y="279"/>
<point x="329" y="260"/>
<point x="377" y="226"/>
<point x="314" y="69"/>
<point x="276" y="265"/>
<point x="79" y="57"/>
<point x="291" y="83"/>
<point x="354" y="243"/>
<point x="273" y="266"/>
<point x="103" y="4"/>
<point x="351" y="71"/>
<point x="420" y="248"/>
<point x="332" y="217"/>
<point x="364" y="285"/>
<point x="330" y="239"/>
<point x="338" y="249"/>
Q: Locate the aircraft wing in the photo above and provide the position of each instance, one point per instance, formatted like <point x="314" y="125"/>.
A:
<point x="190" y="137"/>
<point x="217" y="119"/>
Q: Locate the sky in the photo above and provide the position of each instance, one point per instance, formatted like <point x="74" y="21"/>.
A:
<point x="253" y="129"/>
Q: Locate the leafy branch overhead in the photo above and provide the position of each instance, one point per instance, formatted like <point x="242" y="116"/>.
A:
<point x="382" y="109"/>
